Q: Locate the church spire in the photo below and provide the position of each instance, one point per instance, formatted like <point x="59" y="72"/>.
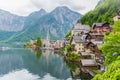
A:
<point x="48" y="39"/>
<point x="48" y="36"/>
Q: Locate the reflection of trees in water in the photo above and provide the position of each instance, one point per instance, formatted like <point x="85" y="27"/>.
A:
<point x="38" y="53"/>
<point x="53" y="63"/>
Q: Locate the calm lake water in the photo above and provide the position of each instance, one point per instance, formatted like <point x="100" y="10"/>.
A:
<point x="26" y="64"/>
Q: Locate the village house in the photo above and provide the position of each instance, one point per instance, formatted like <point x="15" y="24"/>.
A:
<point x="78" y="44"/>
<point x="101" y="28"/>
<point x="91" y="47"/>
<point x="80" y="29"/>
<point x="117" y="17"/>
<point x="95" y="38"/>
<point x="87" y="55"/>
<point x="95" y="50"/>
<point x="33" y="43"/>
<point x="59" y="44"/>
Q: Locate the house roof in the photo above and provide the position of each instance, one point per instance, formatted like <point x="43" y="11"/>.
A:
<point x="96" y="34"/>
<point x="98" y="42"/>
<point x="88" y="62"/>
<point x="79" y="26"/>
<point x="77" y="39"/>
<point x="85" y="53"/>
<point x="99" y="24"/>
<point x="84" y="36"/>
<point x="93" y="34"/>
<point x="87" y="44"/>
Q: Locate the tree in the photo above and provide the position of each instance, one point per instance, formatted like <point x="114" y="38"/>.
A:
<point x="68" y="48"/>
<point x="68" y="34"/>
<point x="112" y="73"/>
<point x="39" y="42"/>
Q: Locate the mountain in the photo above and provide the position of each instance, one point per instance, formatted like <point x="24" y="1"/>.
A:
<point x="104" y="12"/>
<point x="56" y="23"/>
<point x="11" y="22"/>
<point x="33" y="17"/>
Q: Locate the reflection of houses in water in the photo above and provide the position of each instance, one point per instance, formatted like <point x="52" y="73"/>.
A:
<point x="46" y="53"/>
<point x="77" y="72"/>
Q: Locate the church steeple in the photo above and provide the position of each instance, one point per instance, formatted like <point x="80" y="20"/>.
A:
<point x="48" y="36"/>
<point x="48" y="39"/>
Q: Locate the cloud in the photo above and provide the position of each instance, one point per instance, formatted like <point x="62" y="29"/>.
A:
<point x="19" y="75"/>
<point x="72" y="5"/>
<point x="81" y="6"/>
<point x="25" y="7"/>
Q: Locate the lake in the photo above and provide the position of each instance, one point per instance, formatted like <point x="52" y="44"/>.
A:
<point x="27" y="64"/>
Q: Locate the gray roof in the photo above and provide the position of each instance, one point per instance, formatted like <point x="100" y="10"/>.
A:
<point x="79" y="26"/>
<point x="96" y="34"/>
<point x="85" y="53"/>
<point x="88" y="62"/>
<point x="98" y="24"/>
<point x="77" y="39"/>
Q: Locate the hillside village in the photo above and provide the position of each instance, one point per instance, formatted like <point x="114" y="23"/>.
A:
<point x="83" y="44"/>
<point x="86" y="41"/>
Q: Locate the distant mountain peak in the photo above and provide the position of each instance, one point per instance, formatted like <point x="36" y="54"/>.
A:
<point x="58" y="22"/>
<point x="39" y="13"/>
<point x="62" y="8"/>
<point x="10" y="22"/>
<point x="43" y="10"/>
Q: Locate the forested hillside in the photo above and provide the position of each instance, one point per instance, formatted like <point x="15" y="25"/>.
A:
<point x="104" y="12"/>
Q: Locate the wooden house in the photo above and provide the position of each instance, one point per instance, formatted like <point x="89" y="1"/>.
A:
<point x="87" y="55"/>
<point x="101" y="28"/>
<point x="92" y="47"/>
<point x="94" y="37"/>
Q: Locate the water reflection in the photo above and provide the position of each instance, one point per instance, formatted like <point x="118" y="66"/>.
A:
<point x="38" y="53"/>
<point x="36" y="62"/>
<point x="24" y="64"/>
<point x="10" y="62"/>
<point x="20" y="75"/>
<point x="76" y="70"/>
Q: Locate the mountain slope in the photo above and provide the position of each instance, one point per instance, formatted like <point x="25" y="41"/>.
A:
<point x="57" y="23"/>
<point x="11" y="22"/>
<point x="103" y="12"/>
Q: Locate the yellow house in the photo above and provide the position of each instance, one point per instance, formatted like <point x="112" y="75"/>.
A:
<point x="78" y="44"/>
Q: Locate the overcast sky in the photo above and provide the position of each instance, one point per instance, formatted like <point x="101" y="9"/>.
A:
<point x="25" y="7"/>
